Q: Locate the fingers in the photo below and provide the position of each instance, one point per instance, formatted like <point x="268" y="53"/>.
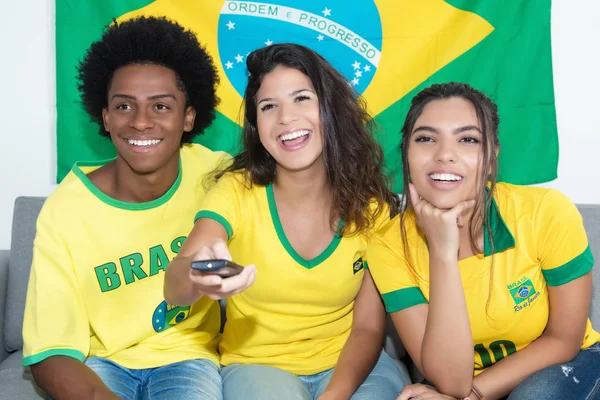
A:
<point x="410" y="391"/>
<point x="414" y="196"/>
<point x="217" y="249"/>
<point x="457" y="211"/>
<point x="216" y="287"/>
<point x="239" y="282"/>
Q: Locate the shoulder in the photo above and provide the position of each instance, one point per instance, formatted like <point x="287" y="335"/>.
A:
<point x="67" y="197"/>
<point x="389" y="235"/>
<point x="203" y="157"/>
<point x="531" y="199"/>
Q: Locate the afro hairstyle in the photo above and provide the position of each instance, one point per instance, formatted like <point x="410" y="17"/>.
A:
<point x="150" y="40"/>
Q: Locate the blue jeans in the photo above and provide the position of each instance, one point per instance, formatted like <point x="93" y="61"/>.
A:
<point x="192" y="379"/>
<point x="261" y="382"/>
<point x="578" y="379"/>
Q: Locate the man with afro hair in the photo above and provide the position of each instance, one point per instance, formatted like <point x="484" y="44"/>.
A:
<point x="96" y="324"/>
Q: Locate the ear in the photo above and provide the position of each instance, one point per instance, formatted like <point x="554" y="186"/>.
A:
<point x="189" y="117"/>
<point x="496" y="151"/>
<point x="105" y="118"/>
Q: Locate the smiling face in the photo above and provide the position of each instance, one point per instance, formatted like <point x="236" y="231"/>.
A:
<point x="288" y="121"/>
<point x="445" y="151"/>
<point x="146" y="116"/>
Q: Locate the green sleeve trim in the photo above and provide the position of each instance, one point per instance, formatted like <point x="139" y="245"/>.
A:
<point x="217" y="217"/>
<point x="36" y="358"/>
<point x="403" y="298"/>
<point x="577" y="267"/>
<point x="365" y="264"/>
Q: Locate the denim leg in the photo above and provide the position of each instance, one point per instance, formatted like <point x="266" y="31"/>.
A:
<point x="261" y="382"/>
<point x="577" y="380"/>
<point x="122" y="381"/>
<point x="191" y="379"/>
<point x="385" y="381"/>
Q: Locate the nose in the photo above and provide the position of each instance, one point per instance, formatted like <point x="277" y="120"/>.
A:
<point x="287" y="114"/>
<point x="445" y="151"/>
<point x="141" y="120"/>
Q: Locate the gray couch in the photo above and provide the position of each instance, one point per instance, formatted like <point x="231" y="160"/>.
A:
<point x="17" y="383"/>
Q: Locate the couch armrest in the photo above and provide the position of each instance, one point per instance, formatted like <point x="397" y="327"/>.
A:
<point x="4" y="256"/>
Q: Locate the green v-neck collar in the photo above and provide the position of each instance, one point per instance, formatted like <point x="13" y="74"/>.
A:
<point x="309" y="264"/>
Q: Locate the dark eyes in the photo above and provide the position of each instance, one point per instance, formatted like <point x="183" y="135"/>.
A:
<point x="159" y="107"/>
<point x="467" y="139"/>
<point x="297" y="99"/>
<point x="301" y="98"/>
<point x="422" y="139"/>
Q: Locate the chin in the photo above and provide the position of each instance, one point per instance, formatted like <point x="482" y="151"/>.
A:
<point x="442" y="202"/>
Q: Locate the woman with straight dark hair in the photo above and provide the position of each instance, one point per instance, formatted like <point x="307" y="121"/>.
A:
<point x="299" y="202"/>
<point x="488" y="284"/>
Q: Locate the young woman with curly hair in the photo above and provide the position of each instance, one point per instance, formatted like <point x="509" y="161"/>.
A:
<point x="300" y="202"/>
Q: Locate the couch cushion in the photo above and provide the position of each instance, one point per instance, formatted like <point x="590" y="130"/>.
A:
<point x="23" y="231"/>
<point x="591" y="220"/>
<point x="16" y="382"/>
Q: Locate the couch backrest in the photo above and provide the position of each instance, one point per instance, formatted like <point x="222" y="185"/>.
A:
<point x="591" y="220"/>
<point x="28" y="208"/>
<point x="23" y="231"/>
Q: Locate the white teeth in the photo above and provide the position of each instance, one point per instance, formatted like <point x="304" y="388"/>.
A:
<point x="294" y="135"/>
<point x="445" y="177"/>
<point x="143" y="142"/>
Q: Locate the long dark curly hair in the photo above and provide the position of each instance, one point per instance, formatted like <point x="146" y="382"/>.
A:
<point x="353" y="158"/>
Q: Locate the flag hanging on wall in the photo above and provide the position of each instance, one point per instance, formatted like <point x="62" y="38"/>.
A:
<point x="387" y="49"/>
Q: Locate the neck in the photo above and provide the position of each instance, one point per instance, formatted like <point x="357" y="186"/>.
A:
<point x="303" y="189"/>
<point x="133" y="187"/>
<point x="465" y="248"/>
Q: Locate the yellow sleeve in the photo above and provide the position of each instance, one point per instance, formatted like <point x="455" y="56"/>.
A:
<point x="393" y="277"/>
<point x="55" y="321"/>
<point x="223" y="202"/>
<point x="563" y="248"/>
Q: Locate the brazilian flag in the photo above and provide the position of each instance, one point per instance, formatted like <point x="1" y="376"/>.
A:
<point x="387" y="49"/>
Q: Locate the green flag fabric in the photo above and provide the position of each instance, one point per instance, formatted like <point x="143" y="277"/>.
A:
<point x="387" y="49"/>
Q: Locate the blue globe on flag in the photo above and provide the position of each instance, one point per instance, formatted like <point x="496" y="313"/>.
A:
<point x="348" y="37"/>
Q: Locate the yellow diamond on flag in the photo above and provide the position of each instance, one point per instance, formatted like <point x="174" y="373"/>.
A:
<point x="418" y="37"/>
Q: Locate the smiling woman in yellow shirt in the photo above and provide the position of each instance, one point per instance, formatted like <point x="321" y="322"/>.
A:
<point x="488" y="284"/>
<point x="300" y="202"/>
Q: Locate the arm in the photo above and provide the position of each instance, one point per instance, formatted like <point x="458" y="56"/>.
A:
<point x="560" y="342"/>
<point x="425" y="329"/>
<point x="67" y="378"/>
<point x="185" y="286"/>
<point x="363" y="347"/>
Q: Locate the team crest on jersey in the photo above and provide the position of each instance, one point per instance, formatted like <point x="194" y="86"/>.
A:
<point x="358" y="265"/>
<point x="522" y="291"/>
<point x="167" y="315"/>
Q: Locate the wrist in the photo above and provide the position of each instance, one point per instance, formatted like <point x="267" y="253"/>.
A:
<point x="442" y="257"/>
<point x="475" y="394"/>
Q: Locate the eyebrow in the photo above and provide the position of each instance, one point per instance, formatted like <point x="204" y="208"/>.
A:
<point x="295" y="92"/>
<point x="153" y="97"/>
<point x="457" y="130"/>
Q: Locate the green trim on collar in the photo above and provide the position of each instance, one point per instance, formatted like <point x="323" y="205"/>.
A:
<point x="118" y="203"/>
<point x="309" y="264"/>
<point x="503" y="238"/>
